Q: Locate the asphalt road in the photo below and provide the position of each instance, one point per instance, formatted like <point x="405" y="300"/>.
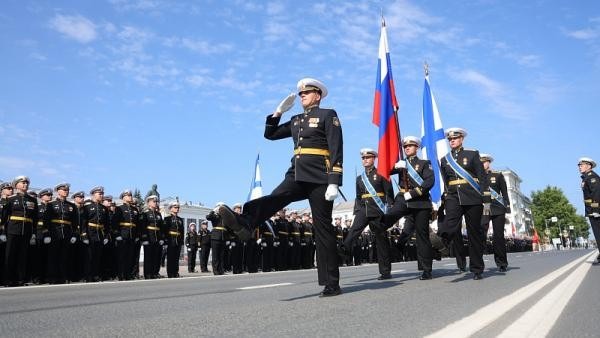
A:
<point x="552" y="294"/>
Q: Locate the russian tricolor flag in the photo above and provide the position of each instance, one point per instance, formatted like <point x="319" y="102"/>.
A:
<point x="384" y="110"/>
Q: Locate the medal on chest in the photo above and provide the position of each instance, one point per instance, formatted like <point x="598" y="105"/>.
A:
<point x="465" y="161"/>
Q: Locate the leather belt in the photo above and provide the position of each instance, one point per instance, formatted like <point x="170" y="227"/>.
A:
<point x="363" y="196"/>
<point x="308" y="233"/>
<point x="267" y="233"/>
<point x="174" y="233"/>
<point x="220" y="228"/>
<point x="20" y="218"/>
<point x="283" y="233"/>
<point x="126" y="224"/>
<point x="311" y="151"/>
<point x="40" y="223"/>
<point x="61" y="221"/>
<point x="94" y="225"/>
<point x="296" y="233"/>
<point x="151" y="227"/>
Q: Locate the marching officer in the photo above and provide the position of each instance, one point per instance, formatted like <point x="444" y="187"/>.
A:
<point x="151" y="223"/>
<point x="191" y="244"/>
<point x="125" y="232"/>
<point x="61" y="219"/>
<point x="173" y="232"/>
<point x="205" y="245"/>
<point x="315" y="173"/>
<point x="590" y="184"/>
<point x="19" y="215"/>
<point x="93" y="232"/>
<point x="499" y="207"/>
<point x="373" y="196"/>
<point x="467" y="194"/>
<point x="6" y="191"/>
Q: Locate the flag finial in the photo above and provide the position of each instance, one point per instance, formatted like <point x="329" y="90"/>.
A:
<point x="426" y="68"/>
<point x="382" y="19"/>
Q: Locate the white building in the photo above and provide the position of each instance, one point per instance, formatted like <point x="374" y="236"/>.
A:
<point x="520" y="206"/>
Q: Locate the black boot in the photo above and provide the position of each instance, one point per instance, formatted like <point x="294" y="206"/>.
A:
<point x="237" y="223"/>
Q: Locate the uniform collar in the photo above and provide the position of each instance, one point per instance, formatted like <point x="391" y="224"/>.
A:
<point x="370" y="169"/>
<point x="310" y="108"/>
<point x="458" y="150"/>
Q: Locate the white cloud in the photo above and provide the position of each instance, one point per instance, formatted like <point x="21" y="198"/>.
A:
<point x="74" y="27"/>
<point x="274" y="8"/>
<point x="205" y="47"/>
<point x="584" y="34"/>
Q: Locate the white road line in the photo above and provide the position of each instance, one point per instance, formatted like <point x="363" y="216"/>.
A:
<point x="481" y="318"/>
<point x="546" y="311"/>
<point x="450" y="264"/>
<point x="397" y="271"/>
<point x="263" y="286"/>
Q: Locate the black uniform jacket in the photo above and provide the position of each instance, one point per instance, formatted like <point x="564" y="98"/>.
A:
<point x="318" y="145"/>
<point x="125" y="222"/>
<point x="420" y="193"/>
<point x="364" y="201"/>
<point x="173" y="230"/>
<point x="20" y="214"/>
<point x="96" y="224"/>
<point x="61" y="219"/>
<point x="151" y="225"/>
<point x="590" y="184"/>
<point x="455" y="185"/>
<point x="497" y="182"/>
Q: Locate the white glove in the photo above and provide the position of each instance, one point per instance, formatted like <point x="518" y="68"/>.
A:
<point x="486" y="209"/>
<point x="119" y="238"/>
<point x="137" y="240"/>
<point x="2" y="238"/>
<point x="595" y="215"/>
<point x="32" y="240"/>
<point x="161" y="242"/>
<point x="86" y="241"/>
<point x="232" y="244"/>
<point x="407" y="196"/>
<point x="332" y="192"/>
<point x="302" y="244"/>
<point x="105" y="241"/>
<point x="47" y="240"/>
<point x="291" y="243"/>
<point x="73" y="240"/>
<point x="264" y="245"/>
<point x="275" y="244"/>
<point x="400" y="164"/>
<point x="227" y="243"/>
<point x="258" y="241"/>
<point x="145" y="243"/>
<point x="286" y="104"/>
<point x="189" y="250"/>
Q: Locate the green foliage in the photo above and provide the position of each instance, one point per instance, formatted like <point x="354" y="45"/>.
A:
<point x="551" y="202"/>
<point x="137" y="195"/>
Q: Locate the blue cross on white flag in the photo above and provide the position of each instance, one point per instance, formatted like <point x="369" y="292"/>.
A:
<point x="433" y="140"/>
<point x="256" y="186"/>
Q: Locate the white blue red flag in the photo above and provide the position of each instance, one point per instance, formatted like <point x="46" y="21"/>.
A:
<point x="384" y="110"/>
<point x="256" y="186"/>
<point x="433" y="140"/>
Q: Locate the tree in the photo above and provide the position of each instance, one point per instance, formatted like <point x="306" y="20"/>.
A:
<point x="137" y="195"/>
<point x="552" y="202"/>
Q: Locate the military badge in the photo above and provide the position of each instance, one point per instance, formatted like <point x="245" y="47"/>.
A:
<point x="593" y="180"/>
<point x="313" y="122"/>
<point x="465" y="161"/>
<point x="336" y="121"/>
<point x="417" y="167"/>
<point x="493" y="180"/>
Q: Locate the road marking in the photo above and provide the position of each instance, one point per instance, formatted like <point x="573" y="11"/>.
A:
<point x="547" y="310"/>
<point x="397" y="271"/>
<point x="481" y="318"/>
<point x="264" y="286"/>
<point x="450" y="264"/>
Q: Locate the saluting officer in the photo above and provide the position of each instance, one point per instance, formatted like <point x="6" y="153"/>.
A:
<point x="151" y="223"/>
<point x="61" y="219"/>
<point x="315" y="173"/>
<point x="500" y="206"/>
<point x="468" y="195"/>
<point x="590" y="184"/>
<point x="124" y="227"/>
<point x="93" y="232"/>
<point x="19" y="215"/>
<point x="173" y="232"/>
<point x="373" y="196"/>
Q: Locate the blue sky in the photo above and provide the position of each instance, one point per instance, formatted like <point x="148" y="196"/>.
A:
<point x="130" y="93"/>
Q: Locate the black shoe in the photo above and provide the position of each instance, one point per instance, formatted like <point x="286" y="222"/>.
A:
<point x="236" y="223"/>
<point x="213" y="218"/>
<point x="384" y="276"/>
<point x="477" y="276"/>
<point x="330" y="291"/>
<point x="502" y="269"/>
<point x="426" y="275"/>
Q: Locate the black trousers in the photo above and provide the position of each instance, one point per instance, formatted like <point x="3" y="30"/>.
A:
<point x="450" y="229"/>
<point x="94" y="260"/>
<point x="218" y="256"/>
<point x="192" y="250"/>
<point x="267" y="256"/>
<point x="289" y="191"/>
<point x="16" y="258"/>
<point x="419" y="218"/>
<point x="281" y="255"/>
<point x="382" y="242"/>
<point x="152" y="254"/>
<point x="135" y="263"/>
<point x="499" y="242"/>
<point x="173" y="252"/>
<point x="595" y="222"/>
<point x="58" y="260"/>
<point x="125" y="249"/>
<point x="308" y="255"/>
<point x="204" y="253"/>
<point x="251" y="256"/>
<point x="2" y="262"/>
<point x="236" y="256"/>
